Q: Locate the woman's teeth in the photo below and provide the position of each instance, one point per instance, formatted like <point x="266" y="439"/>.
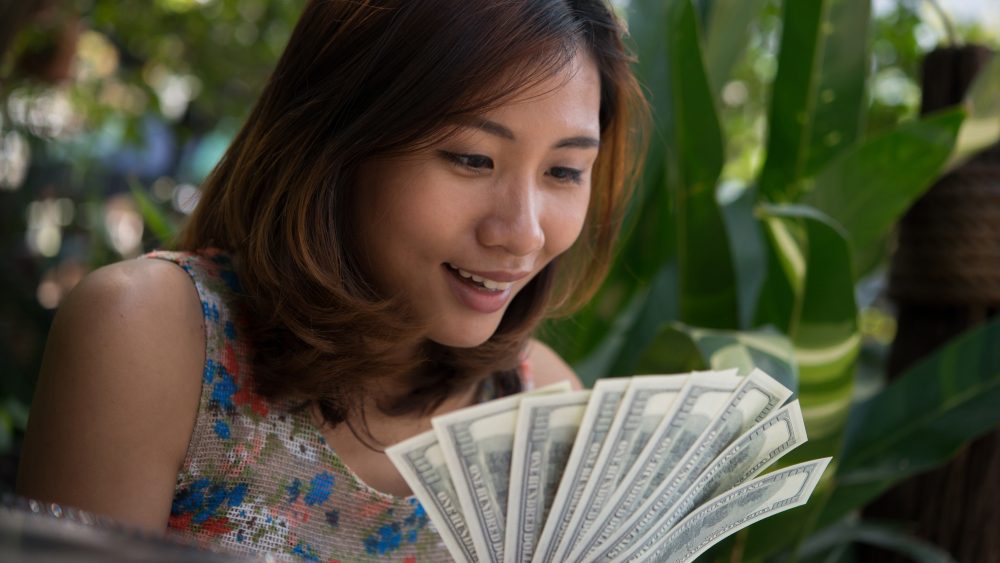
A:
<point x="487" y="283"/>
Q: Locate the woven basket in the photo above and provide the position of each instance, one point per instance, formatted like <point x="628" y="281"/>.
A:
<point x="949" y="241"/>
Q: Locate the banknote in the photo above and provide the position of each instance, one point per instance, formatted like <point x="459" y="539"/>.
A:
<point x="477" y="443"/>
<point x="700" y="399"/>
<point x="597" y="419"/>
<point x="732" y="511"/>
<point x="756" y="396"/>
<point x="648" y="468"/>
<point x="422" y="465"/>
<point x="747" y="456"/>
<point x="646" y="401"/>
<point x="546" y="429"/>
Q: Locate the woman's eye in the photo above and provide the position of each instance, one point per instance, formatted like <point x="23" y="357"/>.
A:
<point x="570" y="175"/>
<point x="475" y="162"/>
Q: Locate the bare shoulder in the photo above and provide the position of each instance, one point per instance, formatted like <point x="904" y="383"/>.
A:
<point x="117" y="394"/>
<point x="549" y="367"/>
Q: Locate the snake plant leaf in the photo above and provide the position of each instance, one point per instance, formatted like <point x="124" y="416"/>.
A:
<point x="868" y="188"/>
<point x="982" y="104"/>
<point x="818" y="101"/>
<point x="920" y="420"/>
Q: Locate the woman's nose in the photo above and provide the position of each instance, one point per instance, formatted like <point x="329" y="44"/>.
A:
<point x="514" y="221"/>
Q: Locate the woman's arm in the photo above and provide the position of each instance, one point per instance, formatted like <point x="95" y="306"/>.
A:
<point x="548" y="367"/>
<point x="117" y="396"/>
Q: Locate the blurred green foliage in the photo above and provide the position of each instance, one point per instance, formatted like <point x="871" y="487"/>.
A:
<point x="98" y="97"/>
<point x="786" y="143"/>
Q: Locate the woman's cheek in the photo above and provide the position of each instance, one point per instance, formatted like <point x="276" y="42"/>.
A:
<point x="569" y="221"/>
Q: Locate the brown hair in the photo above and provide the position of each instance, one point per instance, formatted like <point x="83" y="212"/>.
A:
<point x="365" y="78"/>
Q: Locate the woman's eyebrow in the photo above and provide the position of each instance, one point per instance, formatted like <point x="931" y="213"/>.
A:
<point x="494" y="128"/>
<point x="581" y="142"/>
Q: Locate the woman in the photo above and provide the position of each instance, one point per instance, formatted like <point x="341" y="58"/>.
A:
<point x="418" y="186"/>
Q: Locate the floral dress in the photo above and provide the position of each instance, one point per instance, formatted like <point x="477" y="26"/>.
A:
<point x="258" y="476"/>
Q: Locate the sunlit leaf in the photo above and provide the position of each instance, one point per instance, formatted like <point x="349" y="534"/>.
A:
<point x="824" y="330"/>
<point x="824" y="326"/>
<point x="868" y="188"/>
<point x="679" y="348"/>
<point x="818" y="100"/>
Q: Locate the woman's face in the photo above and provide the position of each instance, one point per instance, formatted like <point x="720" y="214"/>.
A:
<point x="459" y="228"/>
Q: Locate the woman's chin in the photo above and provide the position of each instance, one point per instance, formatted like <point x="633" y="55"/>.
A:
<point x="469" y="337"/>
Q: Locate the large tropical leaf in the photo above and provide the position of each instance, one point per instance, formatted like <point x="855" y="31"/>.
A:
<point x="818" y="100"/>
<point x="746" y="239"/>
<point x="824" y="328"/>
<point x="679" y="348"/>
<point x="892" y="538"/>
<point x="695" y="158"/>
<point x="921" y="420"/>
<point x="868" y="188"/>
<point x="726" y="25"/>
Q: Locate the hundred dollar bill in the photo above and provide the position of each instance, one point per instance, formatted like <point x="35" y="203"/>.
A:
<point x="732" y="511"/>
<point x="699" y="401"/>
<point x="750" y="454"/>
<point x="546" y="428"/>
<point x="597" y="419"/>
<point x="643" y="406"/>
<point x="422" y="465"/>
<point x="757" y="395"/>
<point x="476" y="443"/>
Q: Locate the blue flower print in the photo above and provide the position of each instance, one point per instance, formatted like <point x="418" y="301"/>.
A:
<point x="319" y="489"/>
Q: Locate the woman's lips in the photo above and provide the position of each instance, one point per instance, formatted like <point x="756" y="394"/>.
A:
<point x="475" y="295"/>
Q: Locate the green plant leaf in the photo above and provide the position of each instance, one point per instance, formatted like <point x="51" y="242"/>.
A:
<point x="679" y="348"/>
<point x="748" y="251"/>
<point x="920" y="420"/>
<point x="982" y="104"/>
<point x="695" y="156"/>
<point x="824" y="328"/>
<point x="727" y="32"/>
<point x="818" y="101"/>
<point x="883" y="535"/>
<point x="784" y="280"/>
<point x="868" y="188"/>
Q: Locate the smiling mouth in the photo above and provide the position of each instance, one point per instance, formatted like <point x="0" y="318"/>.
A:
<point x="480" y="283"/>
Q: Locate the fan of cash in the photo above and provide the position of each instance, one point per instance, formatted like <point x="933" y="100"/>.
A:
<point x="648" y="468"/>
